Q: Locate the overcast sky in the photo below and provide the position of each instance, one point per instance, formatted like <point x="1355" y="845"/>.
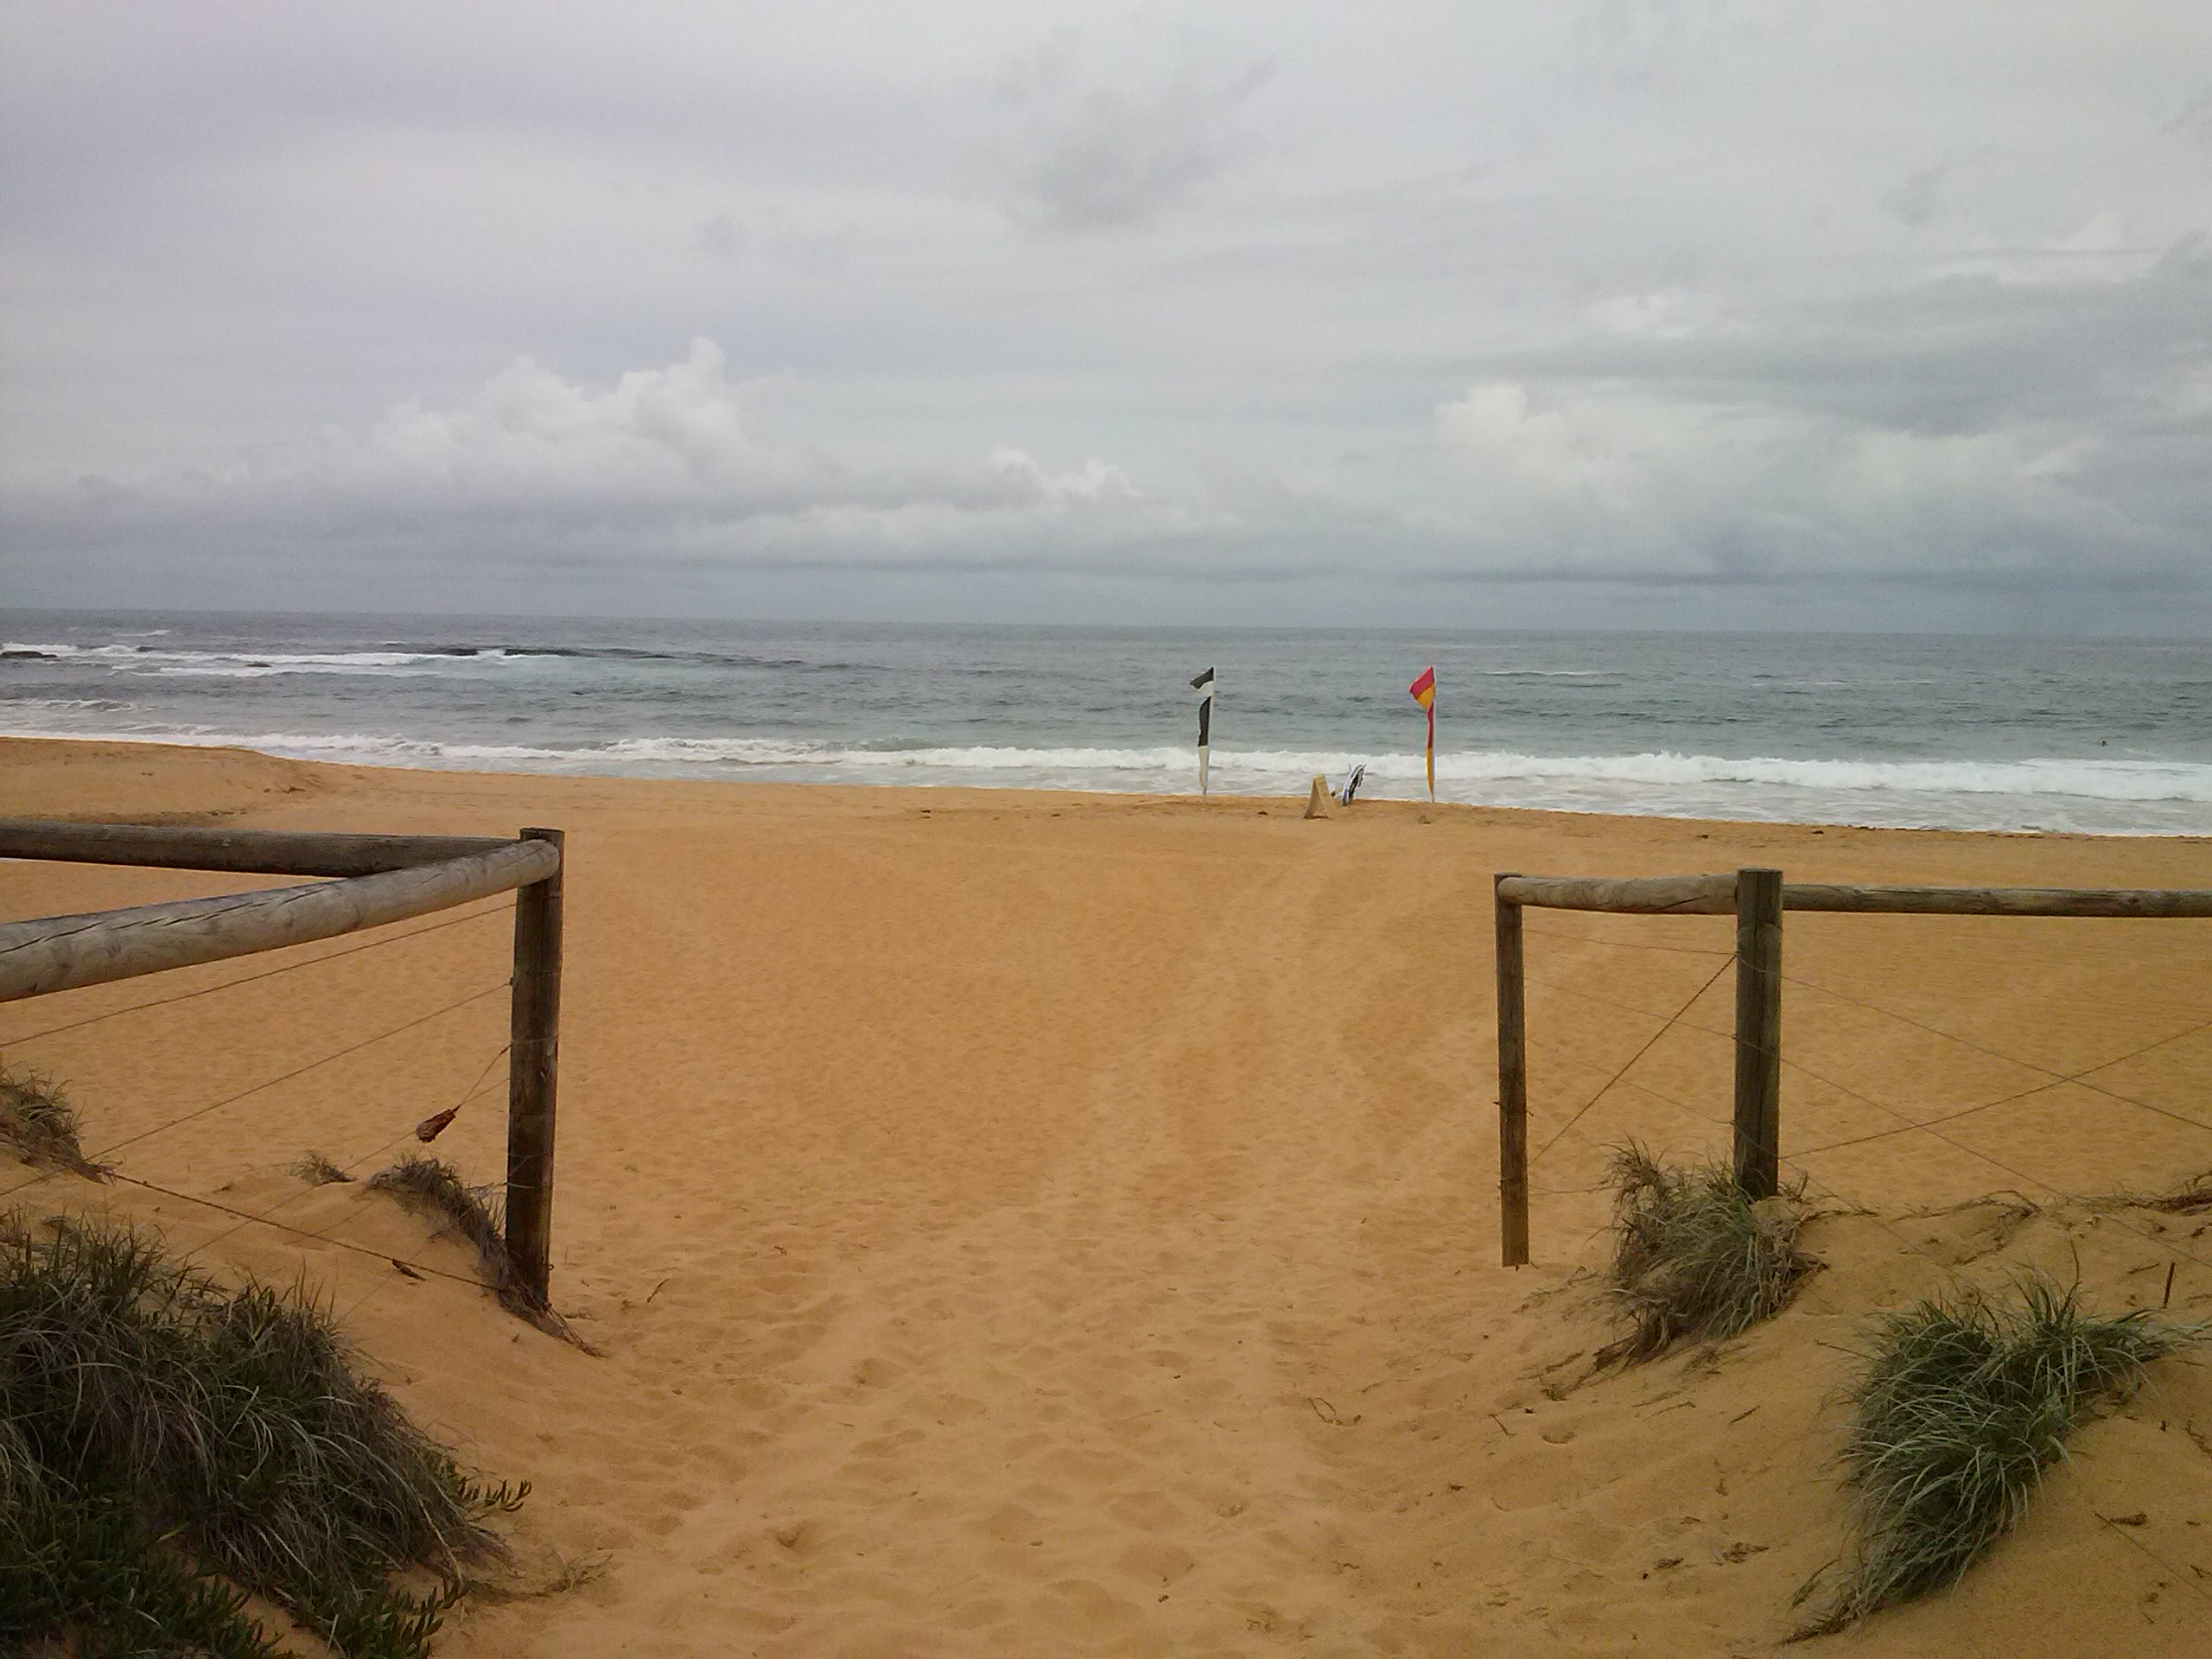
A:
<point x="1625" y="313"/>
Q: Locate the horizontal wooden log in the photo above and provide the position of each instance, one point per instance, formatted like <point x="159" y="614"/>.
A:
<point x="256" y="852"/>
<point x="59" y="953"/>
<point x="2000" y="901"/>
<point x="1715" y="895"/>
<point x="1658" y="895"/>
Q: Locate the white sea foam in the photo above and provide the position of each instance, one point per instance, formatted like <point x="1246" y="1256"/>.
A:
<point x="2122" y="796"/>
<point x="251" y="665"/>
<point x="1547" y="673"/>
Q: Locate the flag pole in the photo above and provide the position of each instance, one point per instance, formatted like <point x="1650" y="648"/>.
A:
<point x="1423" y="691"/>
<point x="1203" y="684"/>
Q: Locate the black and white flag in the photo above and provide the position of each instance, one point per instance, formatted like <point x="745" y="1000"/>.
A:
<point x="1204" y="686"/>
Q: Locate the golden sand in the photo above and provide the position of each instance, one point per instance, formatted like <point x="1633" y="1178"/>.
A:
<point x="1024" y="1224"/>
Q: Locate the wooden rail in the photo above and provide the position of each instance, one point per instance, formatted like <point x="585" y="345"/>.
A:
<point x="60" y="953"/>
<point x="1758" y="898"/>
<point x="1715" y="895"/>
<point x="2115" y="903"/>
<point x="381" y="879"/>
<point x="1660" y="895"/>
<point x="254" y="852"/>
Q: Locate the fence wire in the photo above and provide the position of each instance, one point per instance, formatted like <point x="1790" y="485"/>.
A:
<point x="499" y="906"/>
<point x="1906" y="1122"/>
<point x="481" y="1080"/>
<point x="2076" y="1491"/>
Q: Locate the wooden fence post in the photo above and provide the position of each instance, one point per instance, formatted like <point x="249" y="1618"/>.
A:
<point x="534" y="1036"/>
<point x="1512" y="1085"/>
<point x="1758" y="1031"/>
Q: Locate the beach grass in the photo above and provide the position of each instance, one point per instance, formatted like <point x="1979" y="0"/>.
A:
<point x="1963" y="1402"/>
<point x="318" y="1170"/>
<point x="1693" y="1257"/>
<point x="169" y="1445"/>
<point x="432" y="1187"/>
<point x="37" y="1121"/>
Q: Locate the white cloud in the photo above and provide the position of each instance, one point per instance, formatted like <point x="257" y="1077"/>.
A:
<point x="527" y="432"/>
<point x="1095" y="480"/>
<point x="657" y="468"/>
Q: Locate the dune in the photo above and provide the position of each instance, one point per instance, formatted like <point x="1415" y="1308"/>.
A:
<point x="1022" y="1224"/>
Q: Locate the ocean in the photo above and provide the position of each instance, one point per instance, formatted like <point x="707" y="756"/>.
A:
<point x="2108" y="737"/>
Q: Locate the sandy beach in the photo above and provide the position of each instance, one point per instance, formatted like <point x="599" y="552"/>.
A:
<point x="1024" y="1224"/>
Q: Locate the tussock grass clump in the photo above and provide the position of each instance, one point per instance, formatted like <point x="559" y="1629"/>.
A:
<point x="432" y="1187"/>
<point x="1693" y="1257"/>
<point x="316" y="1170"/>
<point x="1963" y="1403"/>
<point x="38" y="1121"/>
<point x="167" y="1445"/>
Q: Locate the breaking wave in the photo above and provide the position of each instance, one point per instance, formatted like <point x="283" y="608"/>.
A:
<point x="2119" y="796"/>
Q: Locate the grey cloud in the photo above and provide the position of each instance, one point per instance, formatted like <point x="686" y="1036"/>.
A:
<point x="1587" y="482"/>
<point x="2194" y="120"/>
<point x="658" y="467"/>
<point x="1094" y="149"/>
<point x="1917" y="199"/>
<point x="1649" y="43"/>
<point x="1948" y="355"/>
<point x="719" y="234"/>
<point x="1741" y="310"/>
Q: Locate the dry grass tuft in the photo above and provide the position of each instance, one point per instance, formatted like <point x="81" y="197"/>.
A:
<point x="432" y="1187"/>
<point x="318" y="1171"/>
<point x="1693" y="1257"/>
<point x="38" y="1121"/>
<point x="1963" y="1405"/>
<point x="2190" y="1200"/>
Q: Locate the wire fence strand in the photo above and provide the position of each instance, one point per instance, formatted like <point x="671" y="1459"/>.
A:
<point x="1565" y="989"/>
<point x="2081" y="1076"/>
<point x="298" y="1070"/>
<point x="1906" y="1124"/>
<point x="1606" y="1087"/>
<point x="499" y="907"/>
<point x="353" y="1169"/>
<point x="246" y="1217"/>
<point x="1625" y="945"/>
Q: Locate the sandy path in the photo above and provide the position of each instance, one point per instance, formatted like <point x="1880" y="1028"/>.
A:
<point x="1066" y="1410"/>
<point x="1020" y="1224"/>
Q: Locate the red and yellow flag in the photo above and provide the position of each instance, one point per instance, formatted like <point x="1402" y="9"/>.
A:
<point x="1423" y="691"/>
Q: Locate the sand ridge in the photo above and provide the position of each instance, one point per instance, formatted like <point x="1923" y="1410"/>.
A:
<point x="1020" y="1223"/>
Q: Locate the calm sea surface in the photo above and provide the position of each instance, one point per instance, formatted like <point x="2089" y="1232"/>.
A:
<point x="2113" y="737"/>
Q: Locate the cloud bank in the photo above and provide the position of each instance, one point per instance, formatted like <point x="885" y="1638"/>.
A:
<point x="1471" y="314"/>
